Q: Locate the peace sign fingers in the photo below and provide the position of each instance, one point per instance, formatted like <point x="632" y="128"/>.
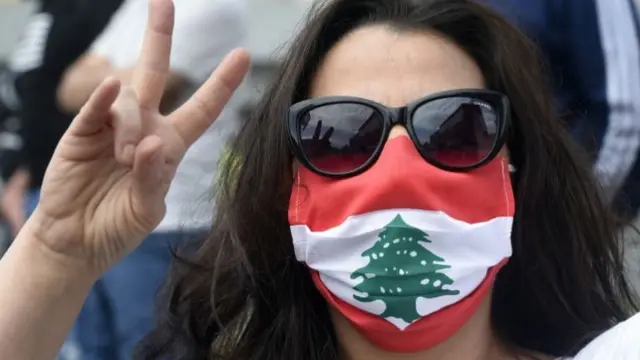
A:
<point x="202" y="109"/>
<point x="152" y="69"/>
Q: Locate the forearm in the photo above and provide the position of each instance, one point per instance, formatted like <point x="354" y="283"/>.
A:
<point x="82" y="78"/>
<point x="40" y="297"/>
<point x="11" y="162"/>
<point x="77" y="85"/>
<point x="19" y="179"/>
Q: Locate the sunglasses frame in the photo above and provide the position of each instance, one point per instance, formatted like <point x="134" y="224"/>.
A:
<point x="399" y="116"/>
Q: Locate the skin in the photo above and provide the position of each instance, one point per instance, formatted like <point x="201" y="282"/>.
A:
<point x="407" y="66"/>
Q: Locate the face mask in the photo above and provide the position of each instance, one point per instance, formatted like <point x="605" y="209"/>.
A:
<point x="405" y="251"/>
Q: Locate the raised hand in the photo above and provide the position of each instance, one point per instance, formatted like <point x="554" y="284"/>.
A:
<point x="105" y="186"/>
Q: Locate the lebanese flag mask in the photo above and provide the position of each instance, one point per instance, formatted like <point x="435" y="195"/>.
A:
<point x="405" y="251"/>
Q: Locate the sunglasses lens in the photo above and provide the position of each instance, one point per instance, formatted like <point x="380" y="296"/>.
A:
<point x="342" y="137"/>
<point x="458" y="132"/>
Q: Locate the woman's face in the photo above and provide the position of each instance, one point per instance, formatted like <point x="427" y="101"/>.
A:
<point x="394" y="68"/>
<point x="391" y="68"/>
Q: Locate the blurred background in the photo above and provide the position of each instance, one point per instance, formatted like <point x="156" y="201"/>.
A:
<point x="271" y="25"/>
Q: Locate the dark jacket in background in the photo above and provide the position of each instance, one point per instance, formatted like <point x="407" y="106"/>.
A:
<point x="592" y="49"/>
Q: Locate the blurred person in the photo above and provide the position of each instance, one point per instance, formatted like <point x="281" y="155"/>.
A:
<point x="57" y="33"/>
<point x="592" y="48"/>
<point x="496" y="246"/>
<point x="9" y="143"/>
<point x="11" y="199"/>
<point x="119" y="310"/>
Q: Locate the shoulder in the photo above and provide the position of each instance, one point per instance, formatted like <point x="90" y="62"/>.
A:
<point x="620" y="343"/>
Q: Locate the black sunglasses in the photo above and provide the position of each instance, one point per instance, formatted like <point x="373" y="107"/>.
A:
<point x="456" y="130"/>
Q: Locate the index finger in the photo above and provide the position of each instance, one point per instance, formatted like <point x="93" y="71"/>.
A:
<point x="201" y="110"/>
<point x="152" y="69"/>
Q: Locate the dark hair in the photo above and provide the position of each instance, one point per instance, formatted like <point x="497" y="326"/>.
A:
<point x="243" y="295"/>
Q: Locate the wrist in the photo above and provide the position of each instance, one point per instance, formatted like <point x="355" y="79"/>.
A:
<point x="41" y="293"/>
<point x="34" y="249"/>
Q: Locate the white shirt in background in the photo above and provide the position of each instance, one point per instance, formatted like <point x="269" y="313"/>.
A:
<point x="622" y="342"/>
<point x="204" y="32"/>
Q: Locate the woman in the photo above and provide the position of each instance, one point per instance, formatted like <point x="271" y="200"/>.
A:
<point x="404" y="191"/>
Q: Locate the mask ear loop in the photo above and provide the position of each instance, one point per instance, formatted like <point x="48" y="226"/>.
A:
<point x="510" y="170"/>
<point x="301" y="245"/>
<point x="297" y="200"/>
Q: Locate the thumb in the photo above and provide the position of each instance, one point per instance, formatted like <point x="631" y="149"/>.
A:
<point x="152" y="178"/>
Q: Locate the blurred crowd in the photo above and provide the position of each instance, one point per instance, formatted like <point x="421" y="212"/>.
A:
<point x="592" y="49"/>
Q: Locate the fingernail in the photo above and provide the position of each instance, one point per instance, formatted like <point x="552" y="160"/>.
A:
<point x="128" y="152"/>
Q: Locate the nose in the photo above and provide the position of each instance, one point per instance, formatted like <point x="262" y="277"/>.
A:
<point x="398" y="130"/>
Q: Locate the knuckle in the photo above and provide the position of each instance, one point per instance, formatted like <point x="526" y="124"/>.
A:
<point x="202" y="108"/>
<point x="126" y="99"/>
<point x="223" y="88"/>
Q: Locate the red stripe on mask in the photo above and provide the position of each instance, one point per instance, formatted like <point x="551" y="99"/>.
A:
<point x="402" y="179"/>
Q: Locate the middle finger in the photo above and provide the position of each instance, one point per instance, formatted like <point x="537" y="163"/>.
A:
<point x="152" y="69"/>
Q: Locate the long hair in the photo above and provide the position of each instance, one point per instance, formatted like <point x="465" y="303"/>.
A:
<point x="241" y="294"/>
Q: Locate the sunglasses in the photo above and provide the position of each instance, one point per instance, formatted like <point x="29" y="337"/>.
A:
<point x="456" y="130"/>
